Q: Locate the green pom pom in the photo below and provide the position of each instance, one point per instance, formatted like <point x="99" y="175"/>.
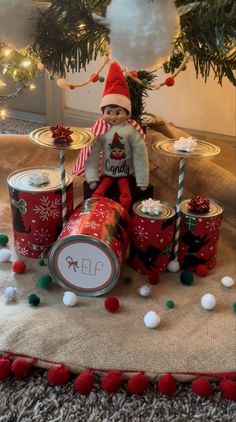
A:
<point x="128" y="279"/>
<point x="33" y="300"/>
<point x="186" y="278"/>
<point x="41" y="262"/>
<point x="44" y="281"/>
<point x="101" y="79"/>
<point x="170" y="304"/>
<point x="3" y="239"/>
<point x="234" y="307"/>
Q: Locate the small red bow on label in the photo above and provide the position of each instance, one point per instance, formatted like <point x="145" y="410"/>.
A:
<point x="198" y="205"/>
<point x="61" y="133"/>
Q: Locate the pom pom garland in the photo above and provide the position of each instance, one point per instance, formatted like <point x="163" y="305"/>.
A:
<point x="186" y="278"/>
<point x="227" y="281"/>
<point x="44" y="281"/>
<point x="5" y="368"/>
<point x="5" y="255"/>
<point x="202" y="270"/>
<point x="3" y="239"/>
<point x="208" y="301"/>
<point x="33" y="300"/>
<point x="84" y="383"/>
<point x="59" y="375"/>
<point x="20" y="368"/>
<point x="112" y="382"/>
<point x="10" y="294"/>
<point x="70" y="299"/>
<point x="151" y="319"/>
<point x="170" y="81"/>
<point x="138" y="384"/>
<point x="173" y="266"/>
<point x="228" y="388"/>
<point x="18" y="267"/>
<point x="166" y="385"/>
<point x="201" y="386"/>
<point x="111" y="304"/>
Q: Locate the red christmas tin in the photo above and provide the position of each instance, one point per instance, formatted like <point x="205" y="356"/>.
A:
<point x="37" y="210"/>
<point x="89" y="252"/>
<point x="199" y="234"/>
<point x="151" y="240"/>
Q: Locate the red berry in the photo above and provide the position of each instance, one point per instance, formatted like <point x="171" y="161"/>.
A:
<point x="72" y="86"/>
<point x="111" y="304"/>
<point x="202" y="270"/>
<point x="112" y="382"/>
<point x="84" y="383"/>
<point x="94" y="77"/>
<point x="228" y="388"/>
<point x="58" y="375"/>
<point x="166" y="385"/>
<point x="137" y="384"/>
<point x="5" y="368"/>
<point x="20" y="368"/>
<point x="201" y="386"/>
<point x="18" y="267"/>
<point x="170" y="81"/>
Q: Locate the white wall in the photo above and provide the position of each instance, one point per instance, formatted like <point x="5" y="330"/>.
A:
<point x="190" y="103"/>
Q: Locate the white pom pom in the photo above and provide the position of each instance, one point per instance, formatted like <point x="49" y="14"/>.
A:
<point x="145" y="290"/>
<point x="142" y="32"/>
<point x="173" y="266"/>
<point x="227" y="281"/>
<point x="208" y="301"/>
<point x="5" y="255"/>
<point x="10" y="294"/>
<point x="70" y="299"/>
<point x="152" y="319"/>
<point x="61" y="83"/>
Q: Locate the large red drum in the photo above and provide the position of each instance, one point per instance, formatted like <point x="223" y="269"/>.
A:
<point x="37" y="210"/>
<point x="151" y="240"/>
<point x="199" y="234"/>
<point x="88" y="254"/>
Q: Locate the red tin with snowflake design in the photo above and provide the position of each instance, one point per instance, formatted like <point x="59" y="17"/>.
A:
<point x="151" y="240"/>
<point x="37" y="211"/>
<point x="199" y="234"/>
<point x="89" y="252"/>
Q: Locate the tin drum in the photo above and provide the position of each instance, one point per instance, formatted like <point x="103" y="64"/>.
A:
<point x="199" y="234"/>
<point x="88" y="254"/>
<point x="151" y="240"/>
<point x="37" y="211"/>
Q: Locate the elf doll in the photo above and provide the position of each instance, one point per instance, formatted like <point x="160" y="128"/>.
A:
<point x="121" y="142"/>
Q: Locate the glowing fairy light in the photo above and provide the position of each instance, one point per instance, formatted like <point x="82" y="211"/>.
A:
<point x="2" y="84"/>
<point x="26" y="63"/>
<point x="2" y="114"/>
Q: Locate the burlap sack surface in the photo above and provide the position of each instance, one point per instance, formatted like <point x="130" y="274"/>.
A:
<point x="189" y="339"/>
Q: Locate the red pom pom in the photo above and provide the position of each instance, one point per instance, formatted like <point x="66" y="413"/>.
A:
<point x="18" y="267"/>
<point x="228" y="388"/>
<point x="137" y="384"/>
<point x="94" y="77"/>
<point x="20" y="368"/>
<point x="202" y="270"/>
<point x="154" y="278"/>
<point x="166" y="385"/>
<point x="170" y="81"/>
<point x="133" y="74"/>
<point x="72" y="86"/>
<point x="58" y="375"/>
<point x="5" y="368"/>
<point x="112" y="382"/>
<point x="201" y="386"/>
<point x="111" y="304"/>
<point x="84" y="383"/>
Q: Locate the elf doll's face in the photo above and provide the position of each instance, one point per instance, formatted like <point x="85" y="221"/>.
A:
<point x="114" y="115"/>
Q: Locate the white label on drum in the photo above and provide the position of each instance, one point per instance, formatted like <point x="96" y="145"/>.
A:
<point x="84" y="265"/>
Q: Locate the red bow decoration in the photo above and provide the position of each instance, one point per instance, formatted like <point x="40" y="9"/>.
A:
<point x="198" y="205"/>
<point x="61" y="133"/>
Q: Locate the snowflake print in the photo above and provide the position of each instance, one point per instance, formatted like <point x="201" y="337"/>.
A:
<point x="48" y="208"/>
<point x="140" y="233"/>
<point x="21" y="249"/>
<point x="213" y="223"/>
<point x="91" y="224"/>
<point x="70" y="225"/>
<point x="42" y="235"/>
<point x="102" y="213"/>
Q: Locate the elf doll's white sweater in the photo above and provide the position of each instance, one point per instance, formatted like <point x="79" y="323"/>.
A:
<point x="124" y="153"/>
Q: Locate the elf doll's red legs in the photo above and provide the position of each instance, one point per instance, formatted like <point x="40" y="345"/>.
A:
<point x="125" y="195"/>
<point x="102" y="187"/>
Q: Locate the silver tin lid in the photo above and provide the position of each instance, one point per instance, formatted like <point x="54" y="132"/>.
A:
<point x="166" y="211"/>
<point x="78" y="248"/>
<point x="19" y="180"/>
<point x="215" y="209"/>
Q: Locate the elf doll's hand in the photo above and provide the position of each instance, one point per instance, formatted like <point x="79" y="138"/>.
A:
<point x="143" y="188"/>
<point x="93" y="185"/>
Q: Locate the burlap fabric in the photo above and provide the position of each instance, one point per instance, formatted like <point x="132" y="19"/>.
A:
<point x="189" y="339"/>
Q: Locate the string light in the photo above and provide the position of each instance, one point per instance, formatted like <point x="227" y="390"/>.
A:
<point x="26" y="63"/>
<point x="2" y="114"/>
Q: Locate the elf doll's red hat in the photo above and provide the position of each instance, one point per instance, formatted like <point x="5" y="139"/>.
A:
<point x="116" y="89"/>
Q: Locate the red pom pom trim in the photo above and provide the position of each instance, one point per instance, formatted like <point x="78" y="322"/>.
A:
<point x="20" y="368"/>
<point x="228" y="388"/>
<point x="201" y="386"/>
<point x="170" y="81"/>
<point x="111" y="304"/>
<point x="18" y="267"/>
<point x="138" y="384"/>
<point x="59" y="375"/>
<point x="5" y="368"/>
<point x="166" y="385"/>
<point x="84" y="383"/>
<point x="112" y="381"/>
<point x="202" y="270"/>
<point x="94" y="77"/>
